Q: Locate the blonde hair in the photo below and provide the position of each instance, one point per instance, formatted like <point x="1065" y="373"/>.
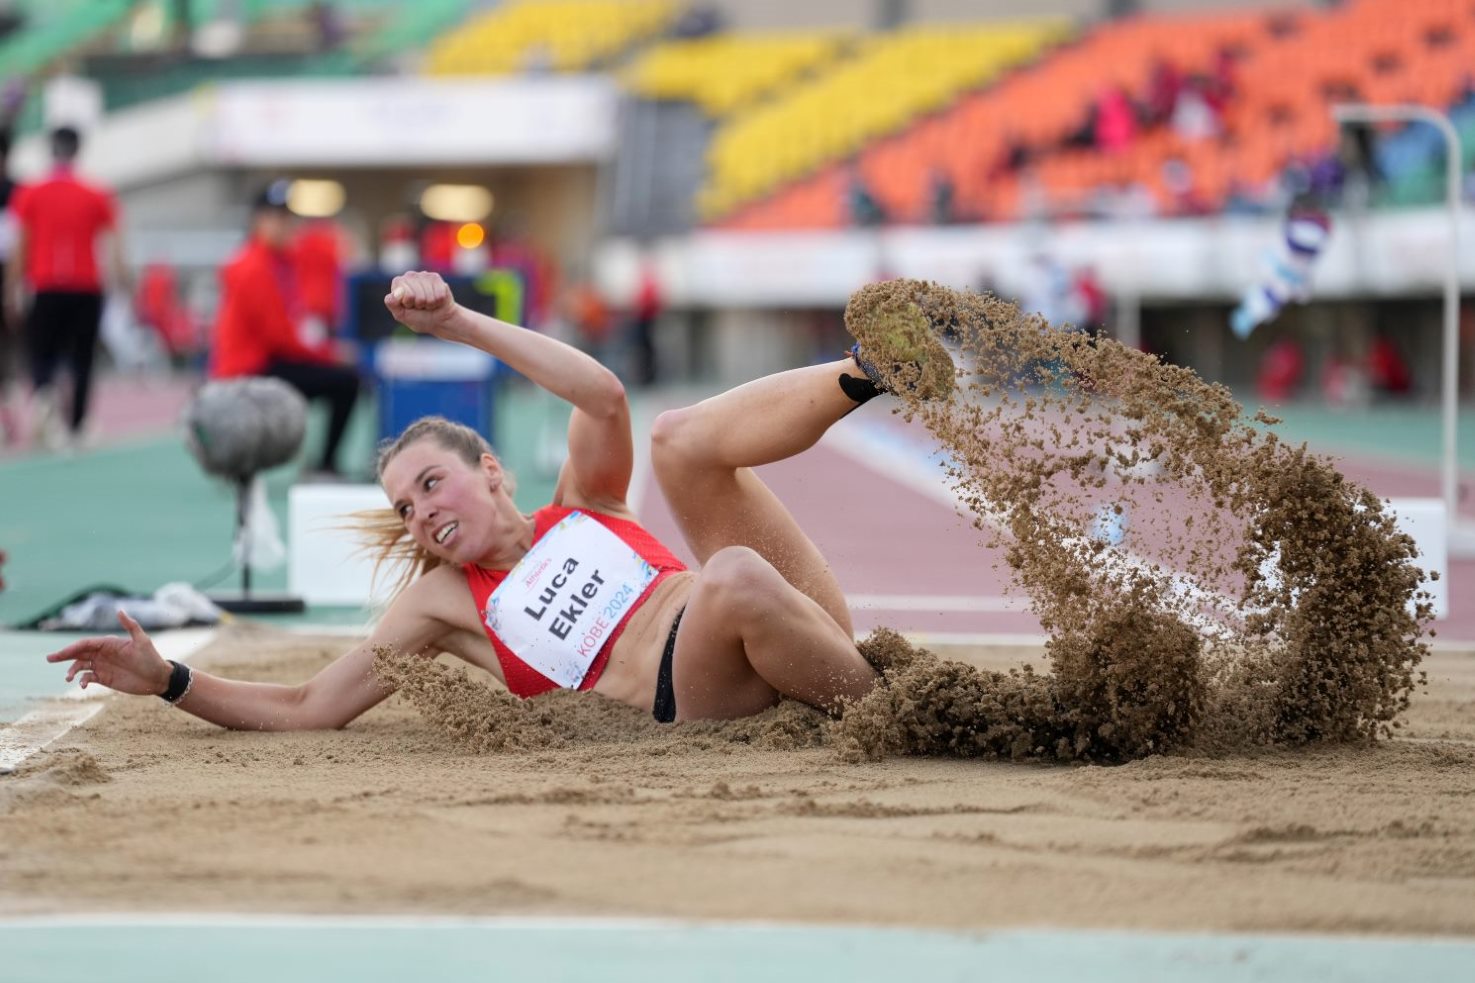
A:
<point x="382" y="532"/>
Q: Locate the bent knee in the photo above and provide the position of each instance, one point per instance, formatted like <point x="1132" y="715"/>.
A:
<point x="674" y="441"/>
<point x="737" y="577"/>
<point x="669" y="433"/>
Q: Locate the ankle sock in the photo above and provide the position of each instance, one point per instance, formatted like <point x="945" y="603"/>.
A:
<point x="864" y="388"/>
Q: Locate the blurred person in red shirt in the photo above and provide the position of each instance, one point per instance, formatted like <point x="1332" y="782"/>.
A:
<point x="318" y="252"/>
<point x="1387" y="372"/>
<point x="159" y="306"/>
<point x="258" y="330"/>
<point x="60" y="222"/>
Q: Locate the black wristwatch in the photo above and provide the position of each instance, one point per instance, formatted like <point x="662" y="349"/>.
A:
<point x="180" y="681"/>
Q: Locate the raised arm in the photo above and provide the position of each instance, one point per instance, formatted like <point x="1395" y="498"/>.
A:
<point x="601" y="452"/>
<point x="341" y="691"/>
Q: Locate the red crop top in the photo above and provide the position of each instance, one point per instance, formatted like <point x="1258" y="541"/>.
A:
<point x="554" y="618"/>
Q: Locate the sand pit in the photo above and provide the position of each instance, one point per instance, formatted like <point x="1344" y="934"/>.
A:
<point x="145" y="808"/>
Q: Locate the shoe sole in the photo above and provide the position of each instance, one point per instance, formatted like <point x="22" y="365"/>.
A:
<point x="899" y="340"/>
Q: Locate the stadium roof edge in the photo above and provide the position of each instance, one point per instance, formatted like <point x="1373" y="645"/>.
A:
<point x="348" y="123"/>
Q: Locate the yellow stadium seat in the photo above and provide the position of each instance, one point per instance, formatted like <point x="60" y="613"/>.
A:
<point x="559" y="35"/>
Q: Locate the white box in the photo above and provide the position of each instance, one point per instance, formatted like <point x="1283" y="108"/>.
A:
<point x="1424" y="519"/>
<point x="325" y="560"/>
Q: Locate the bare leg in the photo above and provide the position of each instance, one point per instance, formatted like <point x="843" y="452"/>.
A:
<point x="748" y="636"/>
<point x="704" y="455"/>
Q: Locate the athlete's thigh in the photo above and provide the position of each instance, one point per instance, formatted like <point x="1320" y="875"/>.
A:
<point x="718" y="508"/>
<point x="710" y="671"/>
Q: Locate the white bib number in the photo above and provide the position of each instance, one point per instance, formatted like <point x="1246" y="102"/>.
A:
<point x="560" y="604"/>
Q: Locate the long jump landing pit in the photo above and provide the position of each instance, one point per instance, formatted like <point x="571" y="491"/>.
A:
<point x="146" y="809"/>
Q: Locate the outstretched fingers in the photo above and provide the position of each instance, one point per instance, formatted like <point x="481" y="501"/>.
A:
<point x="87" y="648"/>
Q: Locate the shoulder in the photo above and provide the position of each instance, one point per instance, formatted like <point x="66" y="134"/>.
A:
<point x="431" y="608"/>
<point x="435" y="583"/>
<point x="247" y="263"/>
<point x="440" y="595"/>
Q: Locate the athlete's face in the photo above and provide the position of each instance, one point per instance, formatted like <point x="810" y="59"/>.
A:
<point x="447" y="505"/>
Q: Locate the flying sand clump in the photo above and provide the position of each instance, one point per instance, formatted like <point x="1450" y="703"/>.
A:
<point x="1203" y="582"/>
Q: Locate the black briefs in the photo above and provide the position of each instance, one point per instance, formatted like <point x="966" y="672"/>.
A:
<point x="664" y="709"/>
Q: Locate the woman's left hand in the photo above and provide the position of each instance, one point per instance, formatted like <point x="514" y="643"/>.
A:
<point x="421" y="302"/>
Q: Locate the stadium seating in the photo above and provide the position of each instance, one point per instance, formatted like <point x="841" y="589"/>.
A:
<point x="889" y="81"/>
<point x="551" y="35"/>
<point x="726" y="73"/>
<point x="1289" y="68"/>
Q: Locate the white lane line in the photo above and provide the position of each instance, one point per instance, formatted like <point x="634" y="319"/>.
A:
<point x="37" y="729"/>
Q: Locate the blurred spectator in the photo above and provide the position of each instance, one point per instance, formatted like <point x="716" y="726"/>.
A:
<point x="1343" y="383"/>
<point x="1014" y="158"/>
<point x="1091" y="299"/>
<point x="258" y="327"/>
<point x="940" y="195"/>
<point x="2" y="569"/>
<point x="1195" y="116"/>
<point x="61" y="221"/>
<point x="1281" y="368"/>
<point x="397" y="249"/>
<point x="1387" y="372"/>
<point x="1163" y="88"/>
<point x="1182" y="189"/>
<point x="590" y="316"/>
<point x="643" y="315"/>
<point x="1115" y="127"/>
<point x="10" y="347"/>
<point x="159" y="306"/>
<point x="438" y="246"/>
<point x="317" y="251"/>
<point x="511" y="249"/>
<point x="865" y="209"/>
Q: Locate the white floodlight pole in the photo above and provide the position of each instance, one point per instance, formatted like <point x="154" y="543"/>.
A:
<point x="1363" y="113"/>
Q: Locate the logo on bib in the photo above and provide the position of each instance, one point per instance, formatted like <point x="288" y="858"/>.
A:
<point x="568" y="594"/>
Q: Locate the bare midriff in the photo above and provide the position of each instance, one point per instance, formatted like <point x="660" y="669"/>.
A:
<point x="630" y="675"/>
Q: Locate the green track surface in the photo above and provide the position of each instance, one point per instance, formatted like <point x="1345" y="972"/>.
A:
<point x="1410" y="434"/>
